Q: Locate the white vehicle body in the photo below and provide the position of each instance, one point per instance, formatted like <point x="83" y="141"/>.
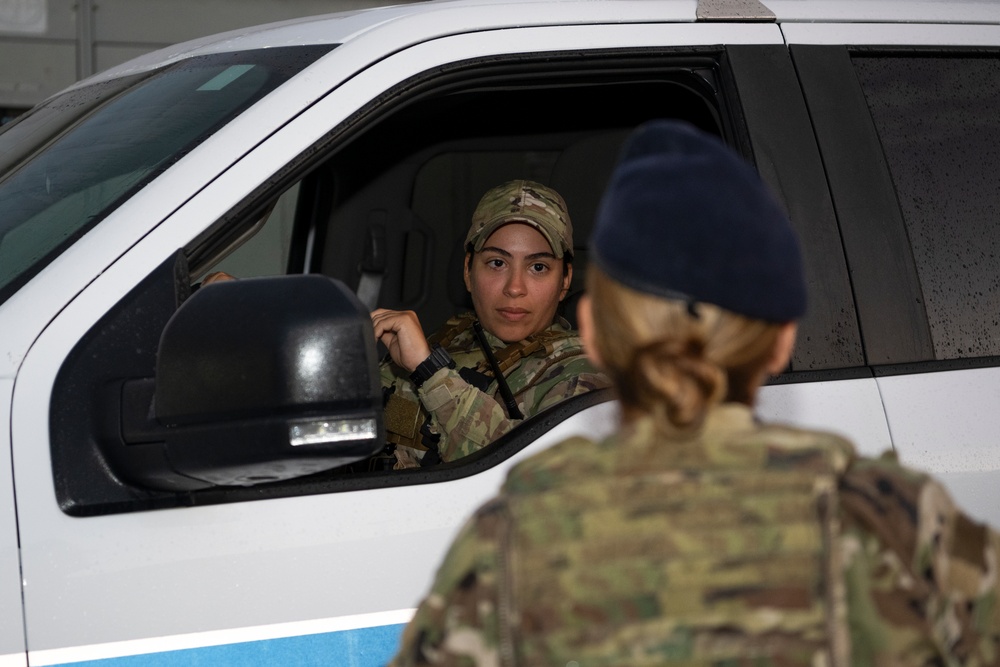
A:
<point x="333" y="576"/>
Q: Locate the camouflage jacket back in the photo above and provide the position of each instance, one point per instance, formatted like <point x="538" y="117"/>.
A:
<point x="744" y="544"/>
<point x="543" y="370"/>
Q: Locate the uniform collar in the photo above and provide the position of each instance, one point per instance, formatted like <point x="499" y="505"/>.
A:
<point x="560" y="324"/>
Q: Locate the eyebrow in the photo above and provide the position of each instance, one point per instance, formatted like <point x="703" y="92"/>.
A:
<point x="533" y="256"/>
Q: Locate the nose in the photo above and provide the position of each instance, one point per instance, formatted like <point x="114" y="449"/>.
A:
<point x="515" y="285"/>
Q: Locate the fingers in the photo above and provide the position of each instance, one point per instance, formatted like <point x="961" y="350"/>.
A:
<point x="215" y="277"/>
<point x="401" y="333"/>
<point x="383" y="316"/>
<point x="396" y="324"/>
<point x="399" y="322"/>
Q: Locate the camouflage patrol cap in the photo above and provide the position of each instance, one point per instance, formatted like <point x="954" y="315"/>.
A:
<point x="523" y="201"/>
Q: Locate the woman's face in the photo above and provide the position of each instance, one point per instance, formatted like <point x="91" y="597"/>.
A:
<point x="516" y="282"/>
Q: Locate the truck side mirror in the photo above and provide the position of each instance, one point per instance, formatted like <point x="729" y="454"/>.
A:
<point x="257" y="380"/>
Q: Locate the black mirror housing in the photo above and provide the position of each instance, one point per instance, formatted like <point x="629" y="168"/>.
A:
<point x="257" y="380"/>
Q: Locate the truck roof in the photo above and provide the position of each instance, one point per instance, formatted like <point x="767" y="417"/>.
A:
<point x="398" y="26"/>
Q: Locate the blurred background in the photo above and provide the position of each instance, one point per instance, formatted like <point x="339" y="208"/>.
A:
<point x="46" y="45"/>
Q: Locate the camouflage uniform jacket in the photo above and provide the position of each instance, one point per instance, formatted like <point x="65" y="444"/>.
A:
<point x="468" y="418"/>
<point x="742" y="545"/>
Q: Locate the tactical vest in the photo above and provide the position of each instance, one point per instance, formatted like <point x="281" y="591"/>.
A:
<point x="774" y="548"/>
<point x="704" y="562"/>
<point x="407" y="422"/>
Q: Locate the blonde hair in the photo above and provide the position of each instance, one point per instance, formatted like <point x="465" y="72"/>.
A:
<point x="671" y="364"/>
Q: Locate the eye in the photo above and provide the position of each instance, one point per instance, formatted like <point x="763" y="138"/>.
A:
<point x="539" y="267"/>
<point x="495" y="263"/>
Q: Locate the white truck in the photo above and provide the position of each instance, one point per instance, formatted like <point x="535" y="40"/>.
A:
<point x="184" y="473"/>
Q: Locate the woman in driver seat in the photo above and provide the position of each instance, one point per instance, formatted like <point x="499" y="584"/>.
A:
<point x="453" y="393"/>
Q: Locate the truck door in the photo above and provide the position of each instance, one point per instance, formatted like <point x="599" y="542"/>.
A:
<point x="910" y="150"/>
<point x="827" y="385"/>
<point x="12" y="649"/>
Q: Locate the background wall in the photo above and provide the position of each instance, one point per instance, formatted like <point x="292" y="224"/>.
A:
<point x="45" y="45"/>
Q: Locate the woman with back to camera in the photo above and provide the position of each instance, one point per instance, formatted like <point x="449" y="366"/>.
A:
<point x="696" y="534"/>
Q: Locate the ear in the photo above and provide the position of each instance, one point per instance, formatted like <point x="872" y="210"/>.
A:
<point x="567" y="280"/>
<point x="783" y="347"/>
<point x="585" y="321"/>
<point x="465" y="272"/>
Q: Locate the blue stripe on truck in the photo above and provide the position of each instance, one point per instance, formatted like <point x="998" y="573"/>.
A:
<point x="363" y="647"/>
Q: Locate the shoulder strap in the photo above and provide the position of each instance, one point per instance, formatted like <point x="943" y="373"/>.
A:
<point x="451" y="330"/>
<point x="511" y="355"/>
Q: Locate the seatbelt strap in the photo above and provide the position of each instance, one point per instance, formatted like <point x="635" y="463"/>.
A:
<point x="373" y="264"/>
<point x="508" y="398"/>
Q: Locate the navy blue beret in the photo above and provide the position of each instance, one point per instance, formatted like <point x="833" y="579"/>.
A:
<point x="685" y="217"/>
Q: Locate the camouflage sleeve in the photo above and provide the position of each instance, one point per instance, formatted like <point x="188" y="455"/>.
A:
<point x="921" y="577"/>
<point x="469" y="419"/>
<point x="387" y="373"/>
<point x="457" y="623"/>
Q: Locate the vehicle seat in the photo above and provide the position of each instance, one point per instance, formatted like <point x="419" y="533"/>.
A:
<point x="580" y="175"/>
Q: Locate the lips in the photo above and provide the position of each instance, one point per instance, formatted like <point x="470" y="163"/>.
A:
<point x="513" y="314"/>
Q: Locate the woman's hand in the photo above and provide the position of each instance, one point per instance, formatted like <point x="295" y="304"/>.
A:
<point x="216" y="277"/>
<point x="401" y="333"/>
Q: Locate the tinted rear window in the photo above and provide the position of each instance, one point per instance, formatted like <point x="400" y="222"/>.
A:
<point x="936" y="117"/>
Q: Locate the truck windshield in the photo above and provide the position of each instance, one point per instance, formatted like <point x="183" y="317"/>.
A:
<point x="69" y="162"/>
